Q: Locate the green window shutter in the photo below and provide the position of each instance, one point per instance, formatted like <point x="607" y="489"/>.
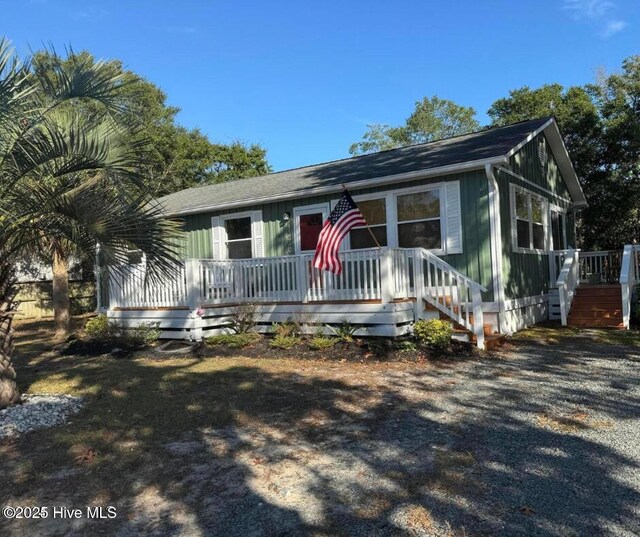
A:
<point x="257" y="235"/>
<point x="216" y="233"/>
<point x="453" y="212"/>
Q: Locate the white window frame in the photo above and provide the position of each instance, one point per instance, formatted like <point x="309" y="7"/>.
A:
<point x="563" y="214"/>
<point x="324" y="208"/>
<point x="391" y="200"/>
<point x="513" y="189"/>
<point x="391" y="237"/>
<point x="222" y="219"/>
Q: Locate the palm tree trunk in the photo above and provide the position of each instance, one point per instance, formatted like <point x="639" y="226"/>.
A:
<point x="60" y="295"/>
<point x="9" y="393"/>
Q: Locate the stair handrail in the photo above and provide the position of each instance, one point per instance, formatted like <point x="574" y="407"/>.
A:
<point x="474" y="288"/>
<point x="568" y="280"/>
<point x="628" y="279"/>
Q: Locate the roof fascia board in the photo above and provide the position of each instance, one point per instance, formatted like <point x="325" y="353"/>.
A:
<point x="531" y="136"/>
<point x="379" y="181"/>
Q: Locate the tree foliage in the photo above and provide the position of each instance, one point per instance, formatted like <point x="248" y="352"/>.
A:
<point x="600" y="123"/>
<point x="432" y="119"/>
<point x="174" y="157"/>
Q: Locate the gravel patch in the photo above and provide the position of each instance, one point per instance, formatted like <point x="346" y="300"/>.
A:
<point x="37" y="412"/>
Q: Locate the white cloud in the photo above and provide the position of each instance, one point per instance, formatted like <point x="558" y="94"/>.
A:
<point x="597" y="13"/>
<point x="613" y="27"/>
<point x="587" y="9"/>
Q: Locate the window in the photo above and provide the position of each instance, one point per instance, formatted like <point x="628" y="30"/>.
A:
<point x="528" y="220"/>
<point x="237" y="236"/>
<point x="375" y="213"/>
<point x="419" y="222"/>
<point x="238" y="241"/>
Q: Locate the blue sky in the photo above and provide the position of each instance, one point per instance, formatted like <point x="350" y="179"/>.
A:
<point x="305" y="78"/>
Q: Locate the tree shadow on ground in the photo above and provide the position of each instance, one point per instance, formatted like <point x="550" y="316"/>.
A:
<point x="217" y="446"/>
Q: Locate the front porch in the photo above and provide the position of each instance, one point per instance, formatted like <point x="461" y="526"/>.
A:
<point x="380" y="292"/>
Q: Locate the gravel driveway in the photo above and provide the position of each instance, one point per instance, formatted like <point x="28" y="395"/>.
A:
<point x="538" y="439"/>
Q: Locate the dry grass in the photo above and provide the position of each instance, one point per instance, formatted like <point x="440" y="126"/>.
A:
<point x="574" y="422"/>
<point x="419" y="518"/>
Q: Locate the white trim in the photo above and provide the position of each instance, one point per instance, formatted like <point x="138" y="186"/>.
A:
<point x="222" y="230"/>
<point x="531" y="136"/>
<point x="365" y="183"/>
<point x="496" y="241"/>
<point x="525" y="301"/>
<point x="531" y="183"/>
<point x="324" y="208"/>
<point x="513" y="188"/>
<point x="384" y="195"/>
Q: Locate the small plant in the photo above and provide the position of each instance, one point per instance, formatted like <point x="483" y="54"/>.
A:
<point x="319" y="343"/>
<point x="286" y="329"/>
<point x="284" y="342"/>
<point x="243" y="319"/>
<point x="406" y="345"/>
<point x="436" y="333"/>
<point x="101" y="327"/>
<point x="144" y="334"/>
<point x="345" y="331"/>
<point x="234" y="341"/>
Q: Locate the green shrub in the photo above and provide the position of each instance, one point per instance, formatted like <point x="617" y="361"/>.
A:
<point x="243" y="319"/>
<point x="435" y="333"/>
<point x="101" y="327"/>
<point x="319" y="343"/>
<point x="287" y="329"/>
<point x="234" y="341"/>
<point x="406" y="345"/>
<point x="345" y="331"/>
<point x="284" y="342"/>
<point x="144" y="334"/>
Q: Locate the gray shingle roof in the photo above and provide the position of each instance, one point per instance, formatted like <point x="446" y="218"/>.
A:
<point x="486" y="144"/>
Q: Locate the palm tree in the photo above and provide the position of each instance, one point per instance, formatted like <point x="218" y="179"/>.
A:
<point x="69" y="178"/>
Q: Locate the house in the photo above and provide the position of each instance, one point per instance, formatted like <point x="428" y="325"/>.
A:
<point x="479" y="228"/>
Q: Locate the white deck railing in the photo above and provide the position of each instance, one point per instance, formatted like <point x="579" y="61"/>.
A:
<point x="381" y="274"/>
<point x="628" y="280"/>
<point x="567" y="282"/>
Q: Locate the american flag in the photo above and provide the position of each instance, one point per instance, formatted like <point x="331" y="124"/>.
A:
<point x="344" y="216"/>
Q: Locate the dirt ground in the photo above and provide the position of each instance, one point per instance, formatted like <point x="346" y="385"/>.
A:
<point x="541" y="438"/>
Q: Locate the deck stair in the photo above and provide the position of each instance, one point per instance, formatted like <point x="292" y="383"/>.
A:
<point x="492" y="339"/>
<point x="597" y="306"/>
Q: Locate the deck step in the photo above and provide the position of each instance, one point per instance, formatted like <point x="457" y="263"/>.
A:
<point x="597" y="306"/>
<point x="490" y="341"/>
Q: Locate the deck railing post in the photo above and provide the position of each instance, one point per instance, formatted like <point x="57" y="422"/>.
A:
<point x="302" y="278"/>
<point x="478" y="316"/>
<point x="192" y="273"/>
<point x="418" y="283"/>
<point x="387" y="280"/>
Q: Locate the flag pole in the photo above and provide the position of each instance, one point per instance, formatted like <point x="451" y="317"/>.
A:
<point x="367" y="225"/>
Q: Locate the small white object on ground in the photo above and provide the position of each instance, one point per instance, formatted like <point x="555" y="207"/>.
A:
<point x="37" y="412"/>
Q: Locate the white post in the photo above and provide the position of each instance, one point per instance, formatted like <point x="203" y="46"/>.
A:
<point x="627" y="281"/>
<point x="98" y="276"/>
<point x="418" y="283"/>
<point x="302" y="278"/>
<point x="478" y="317"/>
<point x="192" y="273"/>
<point x="387" y="288"/>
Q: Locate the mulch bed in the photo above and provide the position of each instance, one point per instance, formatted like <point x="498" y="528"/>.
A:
<point x="358" y="350"/>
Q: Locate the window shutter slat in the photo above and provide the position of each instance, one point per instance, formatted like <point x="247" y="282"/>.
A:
<point x="454" y="218"/>
<point x="216" y="232"/>
<point x="258" y="242"/>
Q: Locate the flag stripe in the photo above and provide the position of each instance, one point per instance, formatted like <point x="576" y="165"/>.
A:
<point x="342" y="219"/>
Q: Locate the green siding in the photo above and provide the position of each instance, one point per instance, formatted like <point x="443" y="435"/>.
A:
<point x="527" y="274"/>
<point x="475" y="261"/>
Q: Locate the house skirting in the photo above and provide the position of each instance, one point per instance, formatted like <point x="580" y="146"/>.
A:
<point x="372" y="318"/>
